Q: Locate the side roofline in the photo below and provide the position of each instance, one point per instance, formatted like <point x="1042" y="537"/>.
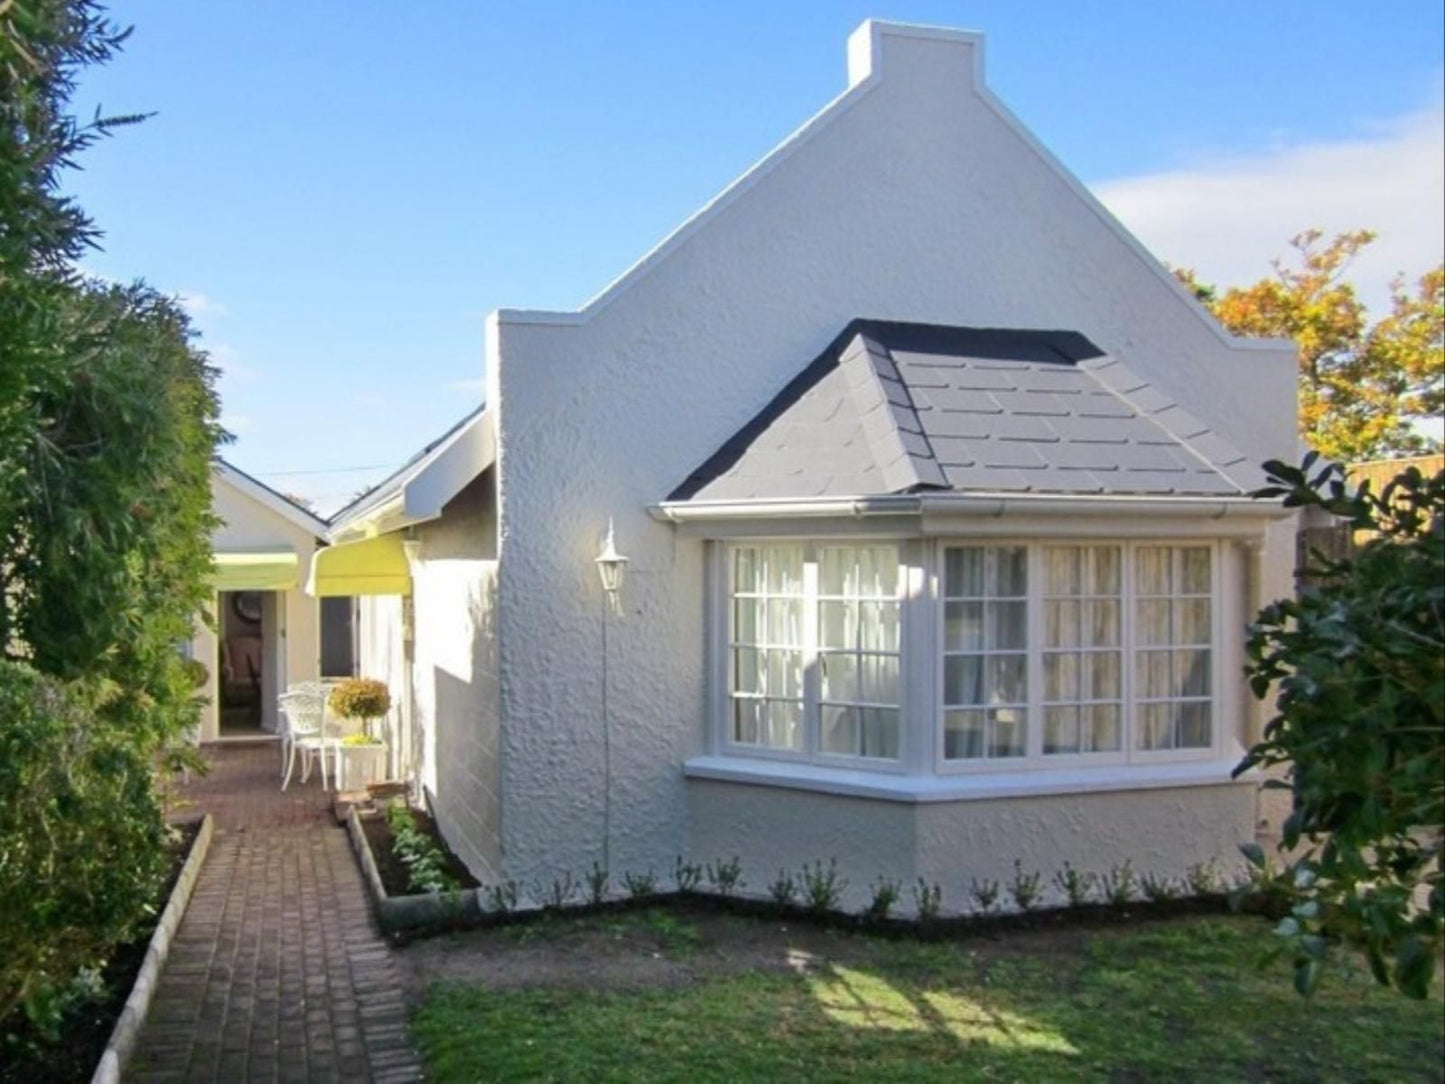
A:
<point x="865" y="72"/>
<point x="279" y="503"/>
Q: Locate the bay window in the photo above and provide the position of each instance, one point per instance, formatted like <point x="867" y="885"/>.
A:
<point x="1001" y="655"/>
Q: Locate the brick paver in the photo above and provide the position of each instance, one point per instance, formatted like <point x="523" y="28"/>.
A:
<point x="278" y="972"/>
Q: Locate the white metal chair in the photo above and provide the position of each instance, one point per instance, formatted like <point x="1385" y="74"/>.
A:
<point x="303" y="732"/>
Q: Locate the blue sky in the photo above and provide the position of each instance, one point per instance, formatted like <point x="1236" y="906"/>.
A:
<point x="342" y="191"/>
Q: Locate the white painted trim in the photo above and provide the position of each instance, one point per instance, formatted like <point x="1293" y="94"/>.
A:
<point x="979" y="504"/>
<point x="420" y="491"/>
<point x="264" y="495"/>
<point x="865" y="73"/>
<point x="923" y="789"/>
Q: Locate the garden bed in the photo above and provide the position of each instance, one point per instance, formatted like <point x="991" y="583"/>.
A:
<point x="90" y="1030"/>
<point x="398" y="903"/>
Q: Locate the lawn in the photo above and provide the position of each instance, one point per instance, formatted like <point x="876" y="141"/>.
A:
<point x="700" y="998"/>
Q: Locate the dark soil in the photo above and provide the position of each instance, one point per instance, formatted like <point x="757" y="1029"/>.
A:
<point x="395" y="877"/>
<point x="24" y="1057"/>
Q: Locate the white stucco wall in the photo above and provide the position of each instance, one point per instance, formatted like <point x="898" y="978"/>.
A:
<point x="247" y="524"/>
<point x="913" y="197"/>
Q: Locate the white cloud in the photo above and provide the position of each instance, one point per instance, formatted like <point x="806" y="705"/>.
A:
<point x="1227" y="216"/>
<point x="237" y="423"/>
<point x="467" y="385"/>
<point x="201" y="306"/>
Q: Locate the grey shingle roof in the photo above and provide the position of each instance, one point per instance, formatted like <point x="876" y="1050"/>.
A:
<point x="899" y="408"/>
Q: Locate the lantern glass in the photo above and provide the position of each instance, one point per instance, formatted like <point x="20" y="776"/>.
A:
<point x="611" y="564"/>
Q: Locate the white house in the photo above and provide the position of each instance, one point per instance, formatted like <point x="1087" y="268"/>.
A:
<point x="267" y="630"/>
<point x="933" y="485"/>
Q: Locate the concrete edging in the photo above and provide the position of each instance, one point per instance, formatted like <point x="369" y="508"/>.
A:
<point x="418" y="912"/>
<point x="123" y="1036"/>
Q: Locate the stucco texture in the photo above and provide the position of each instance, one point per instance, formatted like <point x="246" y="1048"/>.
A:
<point x="912" y="198"/>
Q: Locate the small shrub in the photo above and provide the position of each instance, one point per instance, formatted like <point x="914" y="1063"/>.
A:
<point x="823" y="888"/>
<point x="559" y="893"/>
<point x="687" y="875"/>
<point x="426" y="866"/>
<point x="1204" y="878"/>
<point x="640" y="885"/>
<point x="784" y="890"/>
<point x="726" y="877"/>
<point x="1158" y="888"/>
<point x="360" y="698"/>
<point x="985" y="895"/>
<point x="597" y="884"/>
<point x="503" y="897"/>
<point x="1076" y="885"/>
<point x="927" y="900"/>
<point x="1024" y="888"/>
<point x="885" y="895"/>
<point x="1119" y="884"/>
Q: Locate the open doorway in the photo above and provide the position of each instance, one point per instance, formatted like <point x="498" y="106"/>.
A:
<point x="247" y="661"/>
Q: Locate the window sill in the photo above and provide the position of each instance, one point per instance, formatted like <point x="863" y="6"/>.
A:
<point x="920" y="789"/>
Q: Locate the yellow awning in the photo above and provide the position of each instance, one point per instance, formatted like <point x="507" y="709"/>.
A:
<point x="256" y="571"/>
<point x="373" y="566"/>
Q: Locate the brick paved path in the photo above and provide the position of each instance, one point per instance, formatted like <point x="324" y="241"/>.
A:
<point x="277" y="972"/>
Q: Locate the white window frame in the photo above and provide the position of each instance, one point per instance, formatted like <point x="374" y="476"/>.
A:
<point x="1034" y="757"/>
<point x="921" y="639"/>
<point x="810" y="753"/>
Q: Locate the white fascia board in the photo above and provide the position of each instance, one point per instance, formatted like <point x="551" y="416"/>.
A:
<point x="973" y="505"/>
<point x="423" y="491"/>
<point x="865" y="71"/>
<point x="263" y="494"/>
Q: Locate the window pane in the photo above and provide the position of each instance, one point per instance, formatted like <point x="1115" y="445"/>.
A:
<point x="1152" y="675"/>
<point x="963" y="572"/>
<point x="1100" y="622"/>
<point x="1193" y="730"/>
<point x="747" y="671"/>
<point x="1006" y="679"/>
<point x="963" y="626"/>
<point x="879" y="733"/>
<point x="746" y="726"/>
<point x="1006" y="732"/>
<point x="1152" y="570"/>
<point x="1194" y="571"/>
<point x="783" y="567"/>
<point x="878" y="627"/>
<point x="746" y="571"/>
<point x="839" y="733"/>
<point x="1154" y="621"/>
<point x="1009" y="577"/>
<point x="1156" y="726"/>
<point x="1007" y="625"/>
<point x="1061" y="624"/>
<point x="963" y="733"/>
<point x="1102" y="572"/>
<point x="838" y="624"/>
<point x="963" y="679"/>
<point x="784" y="674"/>
<point x="1191" y="673"/>
<point x="835" y="571"/>
<point x="1061" y="730"/>
<point x="1191" y="621"/>
<point x="839" y="677"/>
<point x="748" y="617"/>
<point x="1061" y="676"/>
<point x="785" y="622"/>
<point x="1101" y="728"/>
<point x="1063" y="570"/>
<point x="879" y="683"/>
<point x="783" y="725"/>
<point x="878" y="572"/>
<point x="1101" y="675"/>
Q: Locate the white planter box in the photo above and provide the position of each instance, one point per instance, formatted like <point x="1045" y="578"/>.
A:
<point x="358" y="765"/>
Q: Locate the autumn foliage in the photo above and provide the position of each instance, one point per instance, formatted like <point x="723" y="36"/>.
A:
<point x="1362" y="382"/>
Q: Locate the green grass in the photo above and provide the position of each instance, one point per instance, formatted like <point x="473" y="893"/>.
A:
<point x="1183" y="1000"/>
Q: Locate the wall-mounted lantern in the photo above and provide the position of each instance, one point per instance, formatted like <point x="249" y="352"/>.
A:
<point x="611" y="566"/>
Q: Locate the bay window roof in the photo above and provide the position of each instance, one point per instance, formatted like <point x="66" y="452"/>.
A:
<point x="899" y="408"/>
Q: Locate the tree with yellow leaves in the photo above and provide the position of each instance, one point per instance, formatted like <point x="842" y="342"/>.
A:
<point x="1362" y="385"/>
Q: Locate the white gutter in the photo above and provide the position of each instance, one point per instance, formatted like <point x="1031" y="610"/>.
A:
<point x="970" y="504"/>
